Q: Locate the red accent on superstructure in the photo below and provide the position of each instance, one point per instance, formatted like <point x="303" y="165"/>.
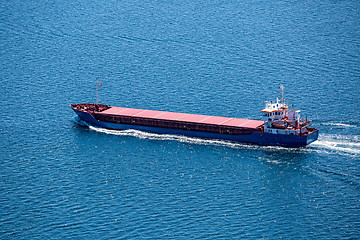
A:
<point x="185" y="117"/>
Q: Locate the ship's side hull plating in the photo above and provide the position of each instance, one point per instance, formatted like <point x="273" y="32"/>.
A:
<point x="253" y="138"/>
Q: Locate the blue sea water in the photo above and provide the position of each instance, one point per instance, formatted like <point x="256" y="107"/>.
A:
<point x="61" y="180"/>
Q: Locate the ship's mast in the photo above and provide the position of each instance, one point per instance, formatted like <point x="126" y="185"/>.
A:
<point x="97" y="91"/>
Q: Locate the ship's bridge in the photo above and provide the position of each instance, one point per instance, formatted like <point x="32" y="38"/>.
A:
<point x="274" y="110"/>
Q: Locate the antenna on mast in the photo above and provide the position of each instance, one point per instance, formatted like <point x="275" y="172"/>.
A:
<point x="281" y="87"/>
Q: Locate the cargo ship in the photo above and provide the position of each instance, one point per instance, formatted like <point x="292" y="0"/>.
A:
<point x="280" y="125"/>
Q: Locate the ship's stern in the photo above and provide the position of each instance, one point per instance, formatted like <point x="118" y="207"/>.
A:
<point x="312" y="137"/>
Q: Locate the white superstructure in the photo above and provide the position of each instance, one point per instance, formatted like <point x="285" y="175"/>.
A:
<point x="279" y="119"/>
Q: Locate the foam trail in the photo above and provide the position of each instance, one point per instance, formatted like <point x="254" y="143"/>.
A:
<point x="160" y="137"/>
<point x="340" y="125"/>
<point x="185" y="139"/>
<point x="339" y="143"/>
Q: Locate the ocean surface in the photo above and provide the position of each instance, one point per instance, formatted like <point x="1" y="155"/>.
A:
<point x="62" y="180"/>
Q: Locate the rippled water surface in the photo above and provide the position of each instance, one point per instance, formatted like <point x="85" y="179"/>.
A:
<point x="60" y="179"/>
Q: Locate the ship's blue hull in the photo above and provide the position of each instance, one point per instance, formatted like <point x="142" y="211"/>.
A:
<point x="253" y="138"/>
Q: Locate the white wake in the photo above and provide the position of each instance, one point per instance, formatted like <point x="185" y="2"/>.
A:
<point x="184" y="139"/>
<point x="345" y="125"/>
<point x="338" y="143"/>
<point x="327" y="143"/>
